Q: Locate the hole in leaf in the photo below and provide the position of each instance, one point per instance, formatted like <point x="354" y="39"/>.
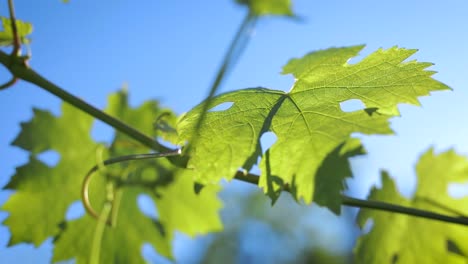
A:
<point x="49" y="157"/>
<point x="101" y="132"/>
<point x="367" y="226"/>
<point x="75" y="211"/>
<point x="458" y="190"/>
<point x="221" y="107"/>
<point x="352" y="105"/>
<point x="147" y="206"/>
<point x="267" y="140"/>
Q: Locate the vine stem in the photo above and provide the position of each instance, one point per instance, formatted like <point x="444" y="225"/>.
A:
<point x="254" y="179"/>
<point x="25" y="73"/>
<point x="16" y="43"/>
<point x="377" y="205"/>
<point x="8" y="84"/>
<point x="99" y="233"/>
<point x="383" y="206"/>
<point x="237" y="46"/>
<point x="14" y="29"/>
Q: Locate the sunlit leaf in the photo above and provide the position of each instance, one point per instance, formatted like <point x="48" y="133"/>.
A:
<point x="6" y="35"/>
<point x="42" y="194"/>
<point x="307" y="120"/>
<point x="397" y="238"/>
<point x="268" y="7"/>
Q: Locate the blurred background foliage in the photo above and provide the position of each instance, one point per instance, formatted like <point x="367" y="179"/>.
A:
<point x="289" y="232"/>
<point x="255" y="232"/>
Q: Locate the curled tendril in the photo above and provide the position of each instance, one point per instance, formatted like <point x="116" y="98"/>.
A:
<point x="16" y="52"/>
<point x="87" y="179"/>
<point x="9" y="83"/>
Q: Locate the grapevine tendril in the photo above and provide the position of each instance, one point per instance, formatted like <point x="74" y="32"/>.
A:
<point x="87" y="179"/>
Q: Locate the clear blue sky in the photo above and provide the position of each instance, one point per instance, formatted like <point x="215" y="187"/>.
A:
<point x="170" y="50"/>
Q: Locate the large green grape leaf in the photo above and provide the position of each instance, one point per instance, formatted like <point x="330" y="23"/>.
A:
<point x="178" y="205"/>
<point x="44" y="193"/>
<point x="268" y="7"/>
<point x="179" y="208"/>
<point x="308" y="121"/>
<point x="396" y="238"/>
<point x="37" y="208"/>
<point x="6" y="35"/>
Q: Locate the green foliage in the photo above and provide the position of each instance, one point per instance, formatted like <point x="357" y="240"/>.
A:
<point x="6" y="36"/>
<point x="37" y="208"/>
<point x="396" y="238"/>
<point x="268" y="7"/>
<point x="307" y="120"/>
<point x="132" y="230"/>
<point x="35" y="212"/>
<point x="310" y="158"/>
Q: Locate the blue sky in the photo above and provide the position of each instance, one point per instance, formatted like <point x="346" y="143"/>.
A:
<point x="170" y="50"/>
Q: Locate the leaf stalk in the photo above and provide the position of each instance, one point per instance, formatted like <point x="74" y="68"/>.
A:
<point x="376" y="205"/>
<point x="94" y="256"/>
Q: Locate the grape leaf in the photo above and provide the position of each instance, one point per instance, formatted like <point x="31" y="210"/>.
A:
<point x="268" y="7"/>
<point x="179" y="209"/>
<point x="120" y="244"/>
<point x="37" y="208"/>
<point x="308" y="120"/>
<point x="396" y="238"/>
<point x="335" y="168"/>
<point x="6" y="36"/>
<point x="183" y="210"/>
<point x="35" y="212"/>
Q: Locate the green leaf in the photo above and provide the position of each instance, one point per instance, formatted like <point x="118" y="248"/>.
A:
<point x="329" y="180"/>
<point x="120" y="244"/>
<point x="307" y="121"/>
<point x="140" y="118"/>
<point x="396" y="238"/>
<point x="43" y="194"/>
<point x="268" y="7"/>
<point x="183" y="210"/>
<point x="6" y="36"/>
